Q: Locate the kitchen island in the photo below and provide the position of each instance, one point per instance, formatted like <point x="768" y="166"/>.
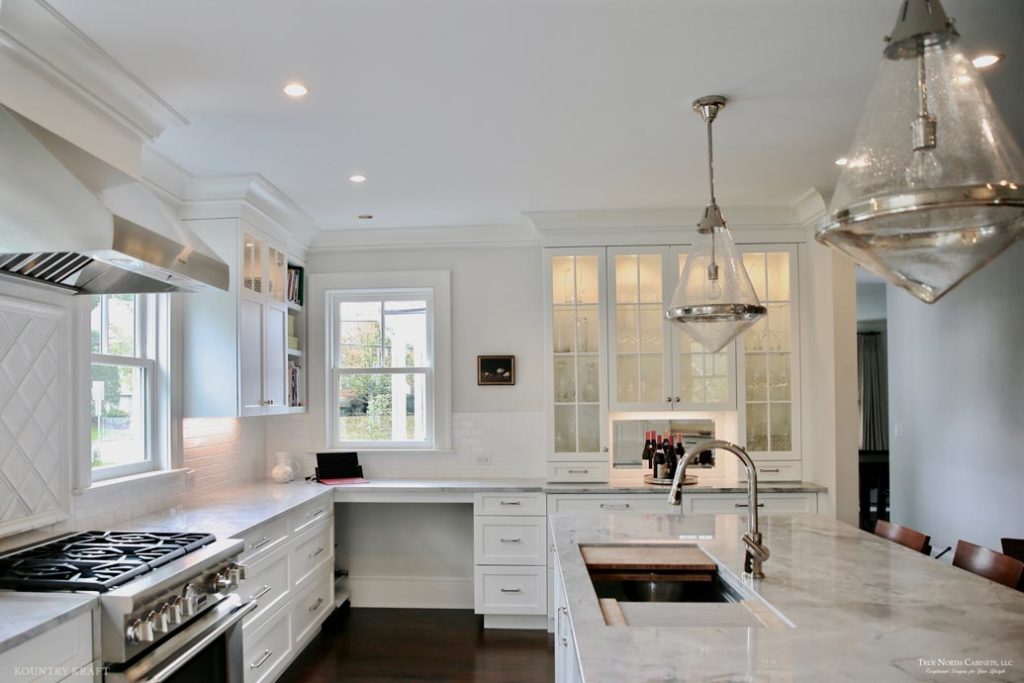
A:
<point x="842" y="605"/>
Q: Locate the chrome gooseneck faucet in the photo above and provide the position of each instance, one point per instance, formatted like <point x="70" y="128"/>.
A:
<point x="757" y="552"/>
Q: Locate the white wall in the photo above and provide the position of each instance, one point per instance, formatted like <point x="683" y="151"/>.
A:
<point x="956" y="389"/>
<point x="870" y="301"/>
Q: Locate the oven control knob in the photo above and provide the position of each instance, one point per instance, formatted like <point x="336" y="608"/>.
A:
<point x="172" y="611"/>
<point x="218" y="583"/>
<point x="189" y="600"/>
<point x="140" y="632"/>
<point x="158" y="621"/>
<point x="236" y="573"/>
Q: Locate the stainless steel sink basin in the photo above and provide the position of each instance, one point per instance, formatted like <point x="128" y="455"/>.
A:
<point x="659" y="587"/>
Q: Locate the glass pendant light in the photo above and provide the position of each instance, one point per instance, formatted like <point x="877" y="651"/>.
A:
<point x="714" y="300"/>
<point x="931" y="191"/>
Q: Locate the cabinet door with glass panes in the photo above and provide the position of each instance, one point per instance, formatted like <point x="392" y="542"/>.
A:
<point x="770" y="381"/>
<point x="263" y="316"/>
<point x="653" y="364"/>
<point x="576" y="357"/>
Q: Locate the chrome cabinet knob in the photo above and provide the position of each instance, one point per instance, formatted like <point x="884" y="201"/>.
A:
<point x="676" y="399"/>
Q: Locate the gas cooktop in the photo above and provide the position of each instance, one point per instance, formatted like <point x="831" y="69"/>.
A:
<point x="95" y="560"/>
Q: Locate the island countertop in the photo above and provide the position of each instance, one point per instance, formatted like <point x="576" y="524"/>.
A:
<point x="864" y="609"/>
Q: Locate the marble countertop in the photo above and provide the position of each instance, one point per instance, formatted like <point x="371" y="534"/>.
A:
<point x="26" y="615"/>
<point x="541" y="486"/>
<point x="864" y="609"/>
<point x="234" y="511"/>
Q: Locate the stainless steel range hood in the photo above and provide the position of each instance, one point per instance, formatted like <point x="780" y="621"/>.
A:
<point x="70" y="220"/>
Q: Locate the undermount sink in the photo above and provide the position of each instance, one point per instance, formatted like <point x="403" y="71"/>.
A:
<point x="672" y="584"/>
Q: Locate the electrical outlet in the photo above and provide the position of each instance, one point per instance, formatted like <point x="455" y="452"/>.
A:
<point x="481" y="460"/>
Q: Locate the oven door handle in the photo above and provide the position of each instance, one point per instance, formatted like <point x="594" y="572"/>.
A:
<point x="169" y="669"/>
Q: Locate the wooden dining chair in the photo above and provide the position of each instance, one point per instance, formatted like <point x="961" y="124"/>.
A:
<point x="904" y="535"/>
<point x="1014" y="547"/>
<point x="997" y="567"/>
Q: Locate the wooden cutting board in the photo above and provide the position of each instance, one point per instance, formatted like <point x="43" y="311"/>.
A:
<point x="649" y="557"/>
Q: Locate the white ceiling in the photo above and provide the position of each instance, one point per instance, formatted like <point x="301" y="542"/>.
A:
<point x="466" y="112"/>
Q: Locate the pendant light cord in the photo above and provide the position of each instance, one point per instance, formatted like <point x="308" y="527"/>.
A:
<point x="712" y="267"/>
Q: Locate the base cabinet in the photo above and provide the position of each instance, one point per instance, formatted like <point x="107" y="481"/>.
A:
<point x="64" y="653"/>
<point x="290" y="568"/>
<point x="567" y="662"/>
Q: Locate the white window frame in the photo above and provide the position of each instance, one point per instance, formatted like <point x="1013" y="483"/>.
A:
<point x="326" y="290"/>
<point x="152" y="339"/>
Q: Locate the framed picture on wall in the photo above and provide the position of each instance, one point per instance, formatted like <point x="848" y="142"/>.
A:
<point x="496" y="370"/>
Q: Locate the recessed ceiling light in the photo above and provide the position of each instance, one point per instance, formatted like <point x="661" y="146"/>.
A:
<point x="842" y="161"/>
<point x="295" y="90"/>
<point x="986" y="60"/>
<point x="357" y="178"/>
<point x="365" y="216"/>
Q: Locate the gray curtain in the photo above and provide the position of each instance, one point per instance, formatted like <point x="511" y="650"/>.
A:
<point x="873" y="392"/>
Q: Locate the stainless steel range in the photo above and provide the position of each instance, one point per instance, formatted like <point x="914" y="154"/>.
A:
<point x="169" y="607"/>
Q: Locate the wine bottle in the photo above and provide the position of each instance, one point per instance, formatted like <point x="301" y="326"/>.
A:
<point x="648" y="448"/>
<point x="672" y="461"/>
<point x="658" y="461"/>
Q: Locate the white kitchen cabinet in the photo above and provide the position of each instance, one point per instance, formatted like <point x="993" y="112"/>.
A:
<point x="567" y="663"/>
<point x="236" y="342"/>
<point x="653" y="364"/>
<point x="55" y="655"/>
<point x="770" y="375"/>
<point x="576" y="359"/>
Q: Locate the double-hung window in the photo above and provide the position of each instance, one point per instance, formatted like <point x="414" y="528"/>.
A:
<point x="382" y="369"/>
<point x="124" y="379"/>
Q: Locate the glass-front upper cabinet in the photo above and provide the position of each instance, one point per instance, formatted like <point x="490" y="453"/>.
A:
<point x="575" y="292"/>
<point x="653" y="364"/>
<point x="278" y="274"/>
<point x="771" y="382"/>
<point x="253" y="249"/>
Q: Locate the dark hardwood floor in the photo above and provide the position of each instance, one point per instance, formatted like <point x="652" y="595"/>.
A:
<point x="382" y="645"/>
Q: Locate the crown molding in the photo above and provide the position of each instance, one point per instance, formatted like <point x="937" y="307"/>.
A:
<point x="252" y="198"/>
<point x="435" y="237"/>
<point x="42" y="40"/>
<point x="810" y="206"/>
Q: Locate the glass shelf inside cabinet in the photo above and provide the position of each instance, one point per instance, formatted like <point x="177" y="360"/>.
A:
<point x="576" y="335"/>
<point x="278" y="274"/>
<point x="639" y="329"/>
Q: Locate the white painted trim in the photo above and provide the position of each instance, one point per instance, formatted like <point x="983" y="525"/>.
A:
<point x="522" y="622"/>
<point x="43" y="40"/>
<point x="357" y="494"/>
<point x="252" y="198"/>
<point x="319" y="358"/>
<point x="436" y="237"/>
<point x="431" y="592"/>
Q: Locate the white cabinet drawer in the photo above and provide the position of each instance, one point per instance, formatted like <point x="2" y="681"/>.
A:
<point x="510" y="590"/>
<point x="737" y="503"/>
<point x="775" y="470"/>
<point x="653" y="502"/>
<point x="267" y="649"/>
<point x="582" y="472"/>
<point x="509" y="540"/>
<point x="311" y="608"/>
<point x="264" y="538"/>
<point x="309" y="514"/>
<point x="269" y="583"/>
<point x="53" y="655"/>
<point x="311" y="550"/>
<point x="520" y="504"/>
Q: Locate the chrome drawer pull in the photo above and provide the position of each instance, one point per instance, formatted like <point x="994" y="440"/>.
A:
<point x="511" y="540"/>
<point x="260" y="543"/>
<point x="316" y="605"/>
<point x="511" y="590"/>
<point x="744" y="505"/>
<point x="579" y="471"/>
<point x="766" y="469"/>
<point x="613" y="506"/>
<point x="259" y="662"/>
<point x="510" y="502"/>
<point x="263" y="591"/>
<point x="315" y="513"/>
<point x="318" y="551"/>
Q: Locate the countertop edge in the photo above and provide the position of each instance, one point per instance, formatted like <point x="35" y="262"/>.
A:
<point x="88" y="604"/>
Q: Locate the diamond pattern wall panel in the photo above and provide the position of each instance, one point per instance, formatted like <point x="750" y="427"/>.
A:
<point x="35" y="395"/>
